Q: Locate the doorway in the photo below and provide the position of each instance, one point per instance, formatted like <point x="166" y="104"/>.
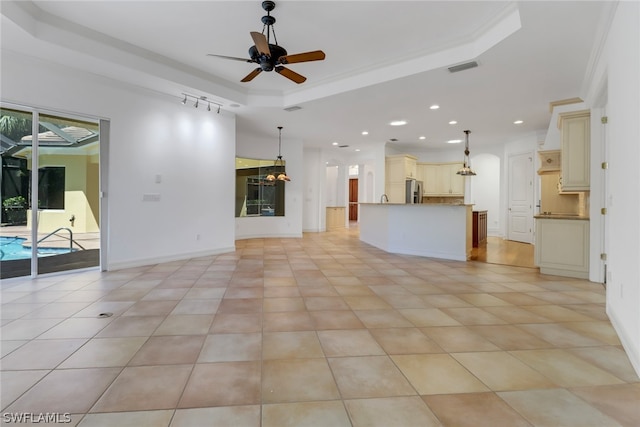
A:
<point x="520" y="198"/>
<point x="353" y="199"/>
<point x="50" y="192"/>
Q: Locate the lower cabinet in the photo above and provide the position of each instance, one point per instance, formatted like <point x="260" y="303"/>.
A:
<point x="479" y="228"/>
<point x="335" y="217"/>
<point x="562" y="247"/>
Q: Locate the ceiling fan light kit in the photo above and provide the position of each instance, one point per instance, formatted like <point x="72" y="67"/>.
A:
<point x="273" y="57"/>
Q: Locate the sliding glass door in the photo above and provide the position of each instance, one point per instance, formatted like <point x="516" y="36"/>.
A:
<point x="50" y="192"/>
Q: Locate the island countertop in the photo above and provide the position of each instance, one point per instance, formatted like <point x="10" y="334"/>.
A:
<point x="436" y="230"/>
<point x="418" y="204"/>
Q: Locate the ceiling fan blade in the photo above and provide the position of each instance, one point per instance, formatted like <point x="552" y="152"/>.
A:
<point x="291" y="75"/>
<point x="261" y="43"/>
<point x="251" y="75"/>
<point x="316" y="55"/>
<point x="231" y="57"/>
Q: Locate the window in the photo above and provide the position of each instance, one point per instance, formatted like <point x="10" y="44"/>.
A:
<point x="255" y="196"/>
<point x="51" y="187"/>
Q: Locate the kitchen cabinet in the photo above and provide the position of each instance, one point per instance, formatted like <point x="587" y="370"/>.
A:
<point x="562" y="246"/>
<point x="397" y="170"/>
<point x="575" y="141"/>
<point x="549" y="161"/>
<point x="335" y="217"/>
<point x="440" y="179"/>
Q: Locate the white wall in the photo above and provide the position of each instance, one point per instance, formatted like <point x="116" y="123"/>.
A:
<point x="151" y="134"/>
<point x="313" y="185"/>
<point x="619" y="63"/>
<point x="261" y="147"/>
<point x="485" y="190"/>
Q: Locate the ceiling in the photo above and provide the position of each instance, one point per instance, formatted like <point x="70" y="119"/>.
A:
<point x="385" y="60"/>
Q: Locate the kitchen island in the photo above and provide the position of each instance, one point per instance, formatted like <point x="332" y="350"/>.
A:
<point x="423" y="229"/>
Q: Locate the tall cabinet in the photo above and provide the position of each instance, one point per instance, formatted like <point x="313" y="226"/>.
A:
<point x="398" y="169"/>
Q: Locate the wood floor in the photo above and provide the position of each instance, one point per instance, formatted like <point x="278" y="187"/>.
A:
<point x="506" y="252"/>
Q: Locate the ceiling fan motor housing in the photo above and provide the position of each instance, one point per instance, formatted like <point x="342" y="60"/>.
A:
<point x="267" y="63"/>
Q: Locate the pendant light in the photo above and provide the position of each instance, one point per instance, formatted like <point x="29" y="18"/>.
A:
<point x="466" y="168"/>
<point x="279" y="172"/>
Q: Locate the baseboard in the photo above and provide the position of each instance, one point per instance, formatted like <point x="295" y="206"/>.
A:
<point x="270" y="236"/>
<point x="632" y="352"/>
<point x="141" y="262"/>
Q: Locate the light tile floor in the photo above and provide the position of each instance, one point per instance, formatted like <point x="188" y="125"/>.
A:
<point x="318" y="331"/>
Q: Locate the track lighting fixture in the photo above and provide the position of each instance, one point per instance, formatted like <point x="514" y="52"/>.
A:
<point x="197" y="100"/>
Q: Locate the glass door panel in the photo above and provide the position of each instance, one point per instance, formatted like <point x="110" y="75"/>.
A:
<point x="15" y="235"/>
<point x="50" y="192"/>
<point x="68" y="185"/>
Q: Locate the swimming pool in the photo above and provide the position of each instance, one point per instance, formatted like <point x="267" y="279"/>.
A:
<point x="11" y="248"/>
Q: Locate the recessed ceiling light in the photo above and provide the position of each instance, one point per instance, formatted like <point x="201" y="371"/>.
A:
<point x="454" y="141"/>
<point x="518" y="122"/>
<point x="334" y="143"/>
<point x="423" y="137"/>
<point x="434" y="107"/>
<point x="398" y="123"/>
<point x="364" y="132"/>
<point x="453" y="122"/>
<point x="357" y="149"/>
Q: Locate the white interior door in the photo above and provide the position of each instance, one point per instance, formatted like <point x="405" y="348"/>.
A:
<point x="520" y="199"/>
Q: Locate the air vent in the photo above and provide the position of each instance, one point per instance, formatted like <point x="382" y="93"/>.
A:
<point x="343" y="146"/>
<point x="462" y="67"/>
<point x="393" y="140"/>
<point x="293" y="108"/>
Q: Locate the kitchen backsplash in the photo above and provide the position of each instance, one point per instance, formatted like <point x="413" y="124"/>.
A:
<point x="552" y="200"/>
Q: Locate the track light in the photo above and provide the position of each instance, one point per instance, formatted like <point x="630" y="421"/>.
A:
<point x="197" y="100"/>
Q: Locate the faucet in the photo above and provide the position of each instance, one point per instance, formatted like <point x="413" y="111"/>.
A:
<point x="384" y="199"/>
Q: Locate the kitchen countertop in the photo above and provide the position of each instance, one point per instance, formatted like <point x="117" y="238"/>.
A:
<point x="562" y="216"/>
<point x="418" y="204"/>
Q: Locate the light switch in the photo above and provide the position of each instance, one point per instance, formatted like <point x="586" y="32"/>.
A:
<point x="158" y="178"/>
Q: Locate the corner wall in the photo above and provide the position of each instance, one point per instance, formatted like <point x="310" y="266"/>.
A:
<point x="289" y="225"/>
<point x="620" y="63"/>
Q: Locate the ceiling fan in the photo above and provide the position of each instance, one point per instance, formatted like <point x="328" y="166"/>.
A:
<point x="272" y="56"/>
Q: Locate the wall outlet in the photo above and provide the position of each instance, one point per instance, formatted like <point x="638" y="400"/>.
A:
<point x="197" y="237"/>
<point x="151" y="197"/>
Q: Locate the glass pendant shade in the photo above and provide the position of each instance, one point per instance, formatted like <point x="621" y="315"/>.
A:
<point x="278" y="172"/>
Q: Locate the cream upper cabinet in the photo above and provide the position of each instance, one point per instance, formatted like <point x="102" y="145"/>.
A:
<point x="575" y="137"/>
<point x="440" y="179"/>
<point x="456" y="183"/>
